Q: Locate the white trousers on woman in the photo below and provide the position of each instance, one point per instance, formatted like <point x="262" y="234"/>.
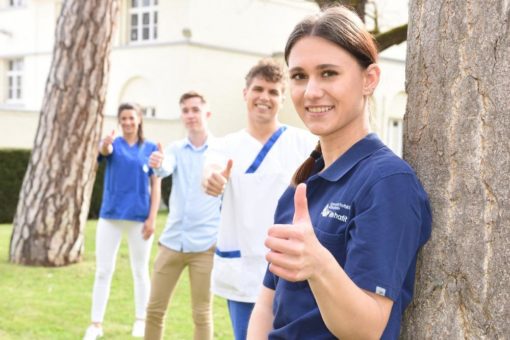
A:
<point x="108" y="237"/>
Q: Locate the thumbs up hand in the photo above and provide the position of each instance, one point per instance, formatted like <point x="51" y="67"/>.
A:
<point x="105" y="146"/>
<point x="108" y="140"/>
<point x="156" y="158"/>
<point x="295" y="252"/>
<point x="216" y="179"/>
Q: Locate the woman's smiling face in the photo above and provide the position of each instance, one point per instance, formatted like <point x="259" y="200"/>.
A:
<point x="328" y="87"/>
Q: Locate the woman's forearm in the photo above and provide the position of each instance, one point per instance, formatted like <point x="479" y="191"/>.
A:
<point x="348" y="311"/>
<point x="261" y="320"/>
<point x="155" y="196"/>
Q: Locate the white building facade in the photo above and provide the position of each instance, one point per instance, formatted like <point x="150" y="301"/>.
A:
<point x="161" y="49"/>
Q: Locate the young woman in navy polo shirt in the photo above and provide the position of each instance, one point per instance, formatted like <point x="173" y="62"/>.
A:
<point x="130" y="203"/>
<point x="343" y="248"/>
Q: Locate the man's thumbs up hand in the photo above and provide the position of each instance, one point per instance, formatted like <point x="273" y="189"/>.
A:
<point x="216" y="179"/>
<point x="294" y="249"/>
<point x="156" y="158"/>
<point x="228" y="169"/>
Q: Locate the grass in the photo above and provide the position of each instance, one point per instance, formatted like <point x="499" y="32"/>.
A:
<point x="54" y="303"/>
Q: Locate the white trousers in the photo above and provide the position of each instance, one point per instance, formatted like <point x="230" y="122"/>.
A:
<point x="108" y="237"/>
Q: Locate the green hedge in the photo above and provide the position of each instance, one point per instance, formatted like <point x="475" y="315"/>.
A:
<point x="97" y="192"/>
<point x="166" y="187"/>
<point x="13" y="164"/>
<point x="12" y="170"/>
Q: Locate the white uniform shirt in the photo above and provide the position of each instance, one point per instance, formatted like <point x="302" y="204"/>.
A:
<point x="248" y="207"/>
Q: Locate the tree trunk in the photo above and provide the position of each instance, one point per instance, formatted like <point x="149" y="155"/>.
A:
<point x="457" y="137"/>
<point x="55" y="196"/>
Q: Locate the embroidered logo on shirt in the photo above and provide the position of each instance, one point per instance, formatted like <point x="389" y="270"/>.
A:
<point x="329" y="211"/>
<point x="380" y="291"/>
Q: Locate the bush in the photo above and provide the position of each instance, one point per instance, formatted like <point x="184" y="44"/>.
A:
<point x="14" y="164"/>
<point x="97" y="192"/>
<point x="166" y="187"/>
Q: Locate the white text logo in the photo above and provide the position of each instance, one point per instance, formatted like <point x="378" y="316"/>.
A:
<point x="328" y="211"/>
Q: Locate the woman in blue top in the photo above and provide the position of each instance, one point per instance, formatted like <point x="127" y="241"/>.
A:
<point x="130" y="203"/>
<point x="343" y="250"/>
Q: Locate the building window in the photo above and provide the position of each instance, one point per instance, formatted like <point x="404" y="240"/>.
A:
<point x="149" y="111"/>
<point x="395" y="135"/>
<point x="17" y="3"/>
<point x="143" y="16"/>
<point x="15" y="80"/>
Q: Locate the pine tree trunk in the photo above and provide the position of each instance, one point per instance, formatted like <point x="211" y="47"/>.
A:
<point x="457" y="137"/>
<point x="55" y="196"/>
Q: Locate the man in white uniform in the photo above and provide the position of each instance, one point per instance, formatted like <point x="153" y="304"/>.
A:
<point x="251" y="168"/>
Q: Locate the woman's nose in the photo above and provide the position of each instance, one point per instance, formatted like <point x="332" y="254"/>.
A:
<point x="313" y="89"/>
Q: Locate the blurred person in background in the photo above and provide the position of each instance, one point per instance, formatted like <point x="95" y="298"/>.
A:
<point x="192" y="225"/>
<point x="130" y="203"/>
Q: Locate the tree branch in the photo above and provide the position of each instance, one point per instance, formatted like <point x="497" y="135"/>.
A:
<point x="392" y="37"/>
<point x="384" y="40"/>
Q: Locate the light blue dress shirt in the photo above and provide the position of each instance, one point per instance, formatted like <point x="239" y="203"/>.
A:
<point x="194" y="217"/>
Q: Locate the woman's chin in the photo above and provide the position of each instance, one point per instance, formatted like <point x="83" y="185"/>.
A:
<point x="317" y="129"/>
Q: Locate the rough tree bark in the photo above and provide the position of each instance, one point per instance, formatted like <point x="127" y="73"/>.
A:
<point x="457" y="137"/>
<point x="55" y="196"/>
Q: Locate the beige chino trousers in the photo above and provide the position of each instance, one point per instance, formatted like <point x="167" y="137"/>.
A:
<point x="168" y="267"/>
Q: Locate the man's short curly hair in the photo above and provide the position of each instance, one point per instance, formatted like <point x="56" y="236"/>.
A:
<point x="269" y="69"/>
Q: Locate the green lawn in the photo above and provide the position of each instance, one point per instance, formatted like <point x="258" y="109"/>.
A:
<point x="54" y="303"/>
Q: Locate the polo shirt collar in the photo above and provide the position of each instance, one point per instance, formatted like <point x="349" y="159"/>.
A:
<point x="362" y="149"/>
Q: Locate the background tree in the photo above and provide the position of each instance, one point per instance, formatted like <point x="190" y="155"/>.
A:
<point x="457" y="137"/>
<point x="366" y="8"/>
<point x="55" y="196"/>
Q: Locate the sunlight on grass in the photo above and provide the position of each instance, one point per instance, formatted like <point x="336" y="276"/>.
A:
<point x="54" y="303"/>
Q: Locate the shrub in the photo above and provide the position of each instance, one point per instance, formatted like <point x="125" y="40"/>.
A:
<point x="166" y="187"/>
<point x="97" y="192"/>
<point x="12" y="170"/>
<point x="14" y="165"/>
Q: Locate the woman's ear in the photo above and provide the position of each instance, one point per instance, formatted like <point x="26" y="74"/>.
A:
<point x="372" y="75"/>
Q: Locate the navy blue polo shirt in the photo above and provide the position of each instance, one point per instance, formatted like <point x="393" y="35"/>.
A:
<point x="126" y="189"/>
<point x="371" y="212"/>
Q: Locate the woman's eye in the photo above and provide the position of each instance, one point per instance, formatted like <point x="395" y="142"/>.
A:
<point x="297" y="76"/>
<point x="327" y="74"/>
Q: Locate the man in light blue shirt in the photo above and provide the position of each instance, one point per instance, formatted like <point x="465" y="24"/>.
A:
<point x="190" y="233"/>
